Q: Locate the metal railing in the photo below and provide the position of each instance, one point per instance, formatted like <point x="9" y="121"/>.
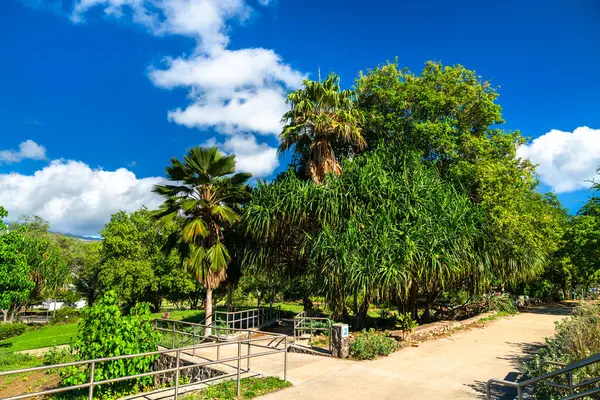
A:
<point x="546" y="378"/>
<point x="253" y="318"/>
<point x="273" y="347"/>
<point x="304" y="324"/>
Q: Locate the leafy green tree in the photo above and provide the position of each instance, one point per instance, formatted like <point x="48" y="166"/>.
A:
<point x="84" y="259"/>
<point x="48" y="267"/>
<point x="321" y="116"/>
<point x="132" y="261"/>
<point x="203" y="203"/>
<point x="388" y="227"/>
<point x="15" y="285"/>
<point x="450" y="117"/>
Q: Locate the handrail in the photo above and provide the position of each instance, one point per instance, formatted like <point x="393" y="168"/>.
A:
<point x="568" y="369"/>
<point x="299" y="327"/>
<point x="91" y="384"/>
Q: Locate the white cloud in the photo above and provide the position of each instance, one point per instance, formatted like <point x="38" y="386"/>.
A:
<point x="236" y="92"/>
<point x="258" y="159"/>
<point x="201" y="19"/>
<point x="567" y="161"/>
<point x="27" y="150"/>
<point x="75" y="198"/>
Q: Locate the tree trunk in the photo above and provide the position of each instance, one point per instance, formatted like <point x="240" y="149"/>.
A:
<point x="229" y="296"/>
<point x="208" y="310"/>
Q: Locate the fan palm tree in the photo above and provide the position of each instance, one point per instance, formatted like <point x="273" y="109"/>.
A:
<point x="321" y="114"/>
<point x="203" y="204"/>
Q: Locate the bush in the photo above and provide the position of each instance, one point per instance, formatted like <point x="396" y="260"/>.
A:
<point x="8" y="330"/>
<point x="576" y="338"/>
<point x="406" y="323"/>
<point x="104" y="332"/>
<point x="58" y="355"/>
<point x="503" y="304"/>
<point x="64" y="315"/>
<point x="369" y="344"/>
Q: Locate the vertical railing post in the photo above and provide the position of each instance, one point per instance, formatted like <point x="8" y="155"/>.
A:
<point x="248" y="360"/>
<point x="194" y="340"/>
<point x="571" y="388"/>
<point x="218" y="350"/>
<point x="177" y="375"/>
<point x="239" y="357"/>
<point x="285" y="359"/>
<point x="91" y="391"/>
<point x="519" y="393"/>
<point x="173" y="335"/>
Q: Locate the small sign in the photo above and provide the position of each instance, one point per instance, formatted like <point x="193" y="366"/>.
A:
<point x="345" y="331"/>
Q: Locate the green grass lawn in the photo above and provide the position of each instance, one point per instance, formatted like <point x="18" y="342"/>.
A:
<point x="44" y="336"/>
<point x="249" y="389"/>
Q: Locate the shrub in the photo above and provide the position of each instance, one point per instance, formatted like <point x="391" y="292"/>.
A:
<point x="370" y="344"/>
<point x="64" y="315"/>
<point x="58" y="355"/>
<point x="576" y="338"/>
<point x="104" y="332"/>
<point x="406" y="323"/>
<point x="8" y="330"/>
<point x="503" y="304"/>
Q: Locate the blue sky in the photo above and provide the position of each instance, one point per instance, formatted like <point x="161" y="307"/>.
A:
<point x="100" y="94"/>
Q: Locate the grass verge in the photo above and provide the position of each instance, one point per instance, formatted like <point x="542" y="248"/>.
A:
<point x="249" y="389"/>
<point x="38" y="337"/>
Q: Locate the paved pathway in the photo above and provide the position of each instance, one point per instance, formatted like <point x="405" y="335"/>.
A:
<point x="448" y="368"/>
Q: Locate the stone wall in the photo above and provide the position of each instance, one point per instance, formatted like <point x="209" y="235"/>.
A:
<point x="194" y="374"/>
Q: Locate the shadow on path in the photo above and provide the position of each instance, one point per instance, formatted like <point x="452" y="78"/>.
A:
<point x="553" y="309"/>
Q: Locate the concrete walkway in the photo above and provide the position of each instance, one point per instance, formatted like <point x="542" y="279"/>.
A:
<point x="447" y="368"/>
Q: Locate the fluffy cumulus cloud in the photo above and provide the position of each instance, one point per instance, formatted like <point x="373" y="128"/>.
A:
<point x="75" y="198"/>
<point x="27" y="150"/>
<point x="567" y="161"/>
<point x="257" y="158"/>
<point x="236" y="92"/>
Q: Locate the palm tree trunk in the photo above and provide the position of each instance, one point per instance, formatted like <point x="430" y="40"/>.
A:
<point x="209" y="311"/>
<point x="229" y="295"/>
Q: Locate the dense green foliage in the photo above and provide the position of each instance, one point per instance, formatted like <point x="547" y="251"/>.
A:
<point x="15" y="283"/>
<point x="105" y="332"/>
<point x="576" y="338"/>
<point x="8" y="330"/>
<point x="437" y="201"/>
<point x="369" y="344"/>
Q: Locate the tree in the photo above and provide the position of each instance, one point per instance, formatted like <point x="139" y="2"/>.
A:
<point x="321" y="116"/>
<point x="85" y="264"/>
<point x="47" y="264"/>
<point x="203" y="205"/>
<point x="15" y="285"/>
<point x="450" y="117"/>
<point x="132" y="261"/>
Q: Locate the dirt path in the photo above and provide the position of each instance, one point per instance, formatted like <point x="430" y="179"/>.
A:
<point x="448" y="368"/>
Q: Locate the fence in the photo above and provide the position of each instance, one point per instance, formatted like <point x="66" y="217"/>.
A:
<point x="304" y="324"/>
<point x="273" y="346"/>
<point x="254" y="318"/>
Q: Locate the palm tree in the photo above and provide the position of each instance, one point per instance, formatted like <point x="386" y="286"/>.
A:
<point x="203" y="204"/>
<point x="321" y="115"/>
